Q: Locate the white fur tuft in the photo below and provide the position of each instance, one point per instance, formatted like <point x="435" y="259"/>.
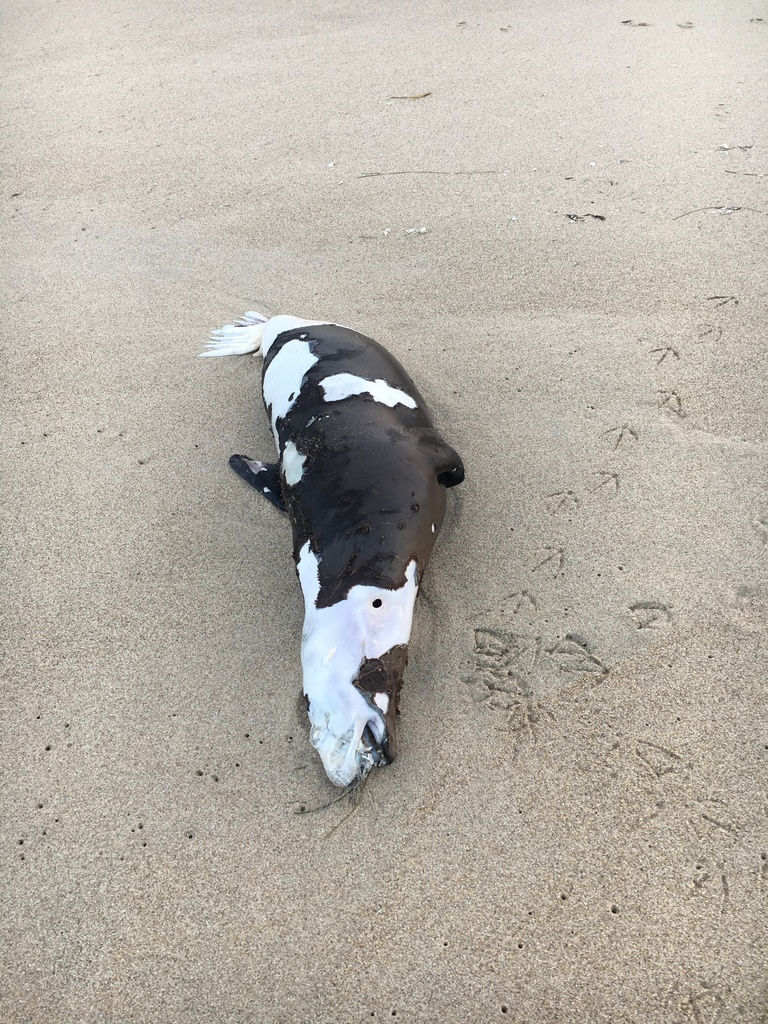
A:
<point x="238" y="339"/>
<point x="248" y="319"/>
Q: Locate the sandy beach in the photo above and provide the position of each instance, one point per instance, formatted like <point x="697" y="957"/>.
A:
<point x="576" y="827"/>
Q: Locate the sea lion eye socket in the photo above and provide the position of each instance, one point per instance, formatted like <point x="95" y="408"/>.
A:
<point x="377" y="603"/>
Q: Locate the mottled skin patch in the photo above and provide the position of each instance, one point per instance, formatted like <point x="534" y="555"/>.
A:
<point x="375" y="475"/>
<point x="384" y="675"/>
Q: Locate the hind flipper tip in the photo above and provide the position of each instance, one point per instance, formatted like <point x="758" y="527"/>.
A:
<point x="235" y="339"/>
<point x="262" y="476"/>
<point x="250" y="318"/>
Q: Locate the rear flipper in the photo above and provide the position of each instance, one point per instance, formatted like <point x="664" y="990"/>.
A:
<point x="265" y="477"/>
<point x="237" y="339"/>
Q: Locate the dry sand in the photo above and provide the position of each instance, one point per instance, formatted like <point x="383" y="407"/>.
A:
<point x="576" y="828"/>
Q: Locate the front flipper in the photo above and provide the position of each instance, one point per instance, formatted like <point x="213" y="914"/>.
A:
<point x="265" y="477"/>
<point x="448" y="465"/>
<point x="453" y="473"/>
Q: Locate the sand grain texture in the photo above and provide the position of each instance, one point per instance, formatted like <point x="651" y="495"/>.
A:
<point x="576" y="829"/>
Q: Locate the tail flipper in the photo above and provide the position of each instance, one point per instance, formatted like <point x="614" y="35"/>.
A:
<point x="238" y="339"/>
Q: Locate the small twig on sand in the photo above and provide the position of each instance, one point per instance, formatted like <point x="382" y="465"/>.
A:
<point x="322" y="807"/>
<point x="719" y="209"/>
<point x="418" y="96"/>
<point x="355" y="792"/>
<point x="577" y="217"/>
<point x="381" y="174"/>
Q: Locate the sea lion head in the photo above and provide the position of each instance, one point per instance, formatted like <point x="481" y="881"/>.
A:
<point x="353" y="654"/>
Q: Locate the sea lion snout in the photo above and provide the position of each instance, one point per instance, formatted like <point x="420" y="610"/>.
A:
<point x="346" y="742"/>
<point x="353" y="654"/>
<point x="355" y="728"/>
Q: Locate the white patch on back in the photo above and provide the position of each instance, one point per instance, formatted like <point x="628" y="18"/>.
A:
<point x="381" y="700"/>
<point x="338" y="712"/>
<point x="280" y="324"/>
<point x="293" y="464"/>
<point x="254" y="332"/>
<point x="345" y="385"/>
<point x="282" y="381"/>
